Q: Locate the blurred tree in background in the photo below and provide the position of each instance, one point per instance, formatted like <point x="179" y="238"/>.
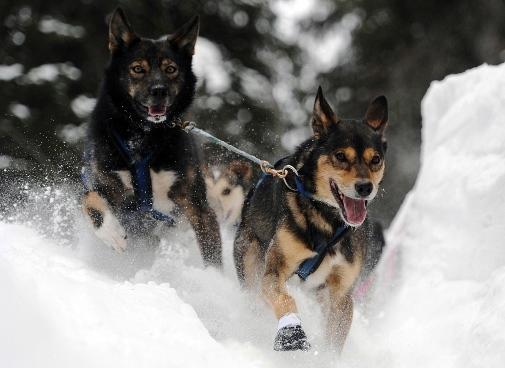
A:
<point x="259" y="64"/>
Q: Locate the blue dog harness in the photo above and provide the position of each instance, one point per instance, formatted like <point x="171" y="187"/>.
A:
<point x="320" y="245"/>
<point x="139" y="168"/>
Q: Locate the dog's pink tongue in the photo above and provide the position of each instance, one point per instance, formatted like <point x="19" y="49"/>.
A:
<point x="355" y="210"/>
<point x="157" y="110"/>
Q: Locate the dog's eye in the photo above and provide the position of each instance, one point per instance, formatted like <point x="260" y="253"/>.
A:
<point x="138" y="69"/>
<point x="226" y="191"/>
<point x="376" y="159"/>
<point x="170" y="69"/>
<point x="340" y="156"/>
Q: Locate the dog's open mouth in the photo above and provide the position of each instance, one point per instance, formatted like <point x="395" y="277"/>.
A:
<point x="155" y="113"/>
<point x="353" y="210"/>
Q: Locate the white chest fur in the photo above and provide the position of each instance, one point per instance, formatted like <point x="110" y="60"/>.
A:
<point x="161" y="182"/>
<point x="126" y="179"/>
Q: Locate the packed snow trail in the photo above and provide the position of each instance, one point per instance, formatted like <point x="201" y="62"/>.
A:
<point x="84" y="305"/>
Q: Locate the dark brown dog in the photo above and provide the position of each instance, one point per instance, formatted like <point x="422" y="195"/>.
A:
<point x="139" y="168"/>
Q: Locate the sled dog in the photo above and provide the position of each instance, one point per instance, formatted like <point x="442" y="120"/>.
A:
<point x="226" y="189"/>
<point x="139" y="169"/>
<point x="316" y="228"/>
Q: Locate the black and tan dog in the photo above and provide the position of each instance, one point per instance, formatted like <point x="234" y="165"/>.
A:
<point x="282" y="231"/>
<point x="139" y="168"/>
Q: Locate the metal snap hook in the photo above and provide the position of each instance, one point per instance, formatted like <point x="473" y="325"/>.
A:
<point x="285" y="174"/>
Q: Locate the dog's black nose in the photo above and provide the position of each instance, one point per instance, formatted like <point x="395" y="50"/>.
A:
<point x="159" y="91"/>
<point x="364" y="188"/>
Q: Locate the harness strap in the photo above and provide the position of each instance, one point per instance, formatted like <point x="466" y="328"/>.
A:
<point x="140" y="173"/>
<point x="310" y="265"/>
<point x="142" y="181"/>
<point x="320" y="246"/>
<point x="265" y="166"/>
<point x="141" y="177"/>
<point x="300" y="188"/>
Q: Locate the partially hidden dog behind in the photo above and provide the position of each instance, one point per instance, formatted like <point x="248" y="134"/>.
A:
<point x="317" y="227"/>
<point x="139" y="169"/>
<point x="227" y="186"/>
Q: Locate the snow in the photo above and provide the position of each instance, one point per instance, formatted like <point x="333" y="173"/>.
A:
<point x="40" y="74"/>
<point x="12" y="163"/>
<point x="84" y="305"/>
<point x="5" y="161"/>
<point x="70" y="311"/>
<point x="209" y="67"/>
<point x="452" y="296"/>
<point x="18" y="38"/>
<point x="291" y="13"/>
<point x="256" y="86"/>
<point x="322" y="49"/>
<point x="52" y="25"/>
<point x="10" y="72"/>
<point x="49" y="73"/>
<point x="19" y="110"/>
<point x="83" y="105"/>
<point x="72" y="133"/>
<point x="294" y="137"/>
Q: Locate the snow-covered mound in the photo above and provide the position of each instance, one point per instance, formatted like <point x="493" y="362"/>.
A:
<point x="56" y="311"/>
<point x="83" y="305"/>
<point x="450" y="309"/>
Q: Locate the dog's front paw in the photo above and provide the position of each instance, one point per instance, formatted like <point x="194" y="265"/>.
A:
<point x="291" y="338"/>
<point x="112" y="233"/>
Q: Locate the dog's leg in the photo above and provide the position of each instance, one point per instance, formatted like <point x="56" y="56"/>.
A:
<point x="105" y="224"/>
<point x="246" y="254"/>
<point x="207" y="234"/>
<point x="285" y="254"/>
<point x="340" y="311"/>
<point x="203" y="220"/>
<point x="274" y="283"/>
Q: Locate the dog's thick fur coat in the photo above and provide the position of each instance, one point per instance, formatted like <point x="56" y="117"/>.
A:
<point x="341" y="167"/>
<point x="148" y="84"/>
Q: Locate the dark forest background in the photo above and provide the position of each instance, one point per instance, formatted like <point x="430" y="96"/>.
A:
<point x="52" y="54"/>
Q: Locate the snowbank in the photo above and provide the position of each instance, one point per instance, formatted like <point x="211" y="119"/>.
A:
<point x="450" y="309"/>
<point x="84" y="305"/>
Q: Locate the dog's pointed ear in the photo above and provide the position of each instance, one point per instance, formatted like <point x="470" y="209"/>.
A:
<point x="242" y="170"/>
<point x="185" y="37"/>
<point x="322" y="115"/>
<point x="377" y="114"/>
<point x="121" y="33"/>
